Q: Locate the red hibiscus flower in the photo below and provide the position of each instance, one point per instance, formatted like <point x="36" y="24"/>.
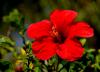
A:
<point x="59" y="36"/>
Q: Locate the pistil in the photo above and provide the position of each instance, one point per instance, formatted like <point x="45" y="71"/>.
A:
<point x="56" y="35"/>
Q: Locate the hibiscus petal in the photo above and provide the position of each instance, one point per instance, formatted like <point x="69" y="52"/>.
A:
<point x="44" y="49"/>
<point x="62" y="18"/>
<point x="39" y="29"/>
<point x="71" y="50"/>
<point x="81" y="29"/>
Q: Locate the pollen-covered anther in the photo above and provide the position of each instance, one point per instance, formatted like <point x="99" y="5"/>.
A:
<point x="54" y="32"/>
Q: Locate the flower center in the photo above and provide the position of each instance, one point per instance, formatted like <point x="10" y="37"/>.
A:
<point x="58" y="37"/>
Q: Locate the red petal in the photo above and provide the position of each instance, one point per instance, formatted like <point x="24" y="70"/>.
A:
<point x="39" y="29"/>
<point x="44" y="49"/>
<point x="81" y="29"/>
<point x="71" y="50"/>
<point x="62" y="18"/>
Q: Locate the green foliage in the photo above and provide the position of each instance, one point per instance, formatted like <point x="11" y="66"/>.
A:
<point x="83" y="41"/>
<point x="5" y="65"/>
<point x="13" y="16"/>
<point x="6" y="45"/>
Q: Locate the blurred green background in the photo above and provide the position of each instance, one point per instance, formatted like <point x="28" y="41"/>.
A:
<point x="16" y="15"/>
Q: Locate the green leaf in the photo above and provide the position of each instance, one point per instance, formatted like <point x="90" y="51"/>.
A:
<point x="36" y="69"/>
<point x="90" y="50"/>
<point x="6" y="45"/>
<point x="60" y="66"/>
<point x="83" y="41"/>
<point x="63" y="70"/>
<point x="7" y="40"/>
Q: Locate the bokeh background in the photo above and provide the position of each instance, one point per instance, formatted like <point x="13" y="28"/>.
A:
<point x="16" y="15"/>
